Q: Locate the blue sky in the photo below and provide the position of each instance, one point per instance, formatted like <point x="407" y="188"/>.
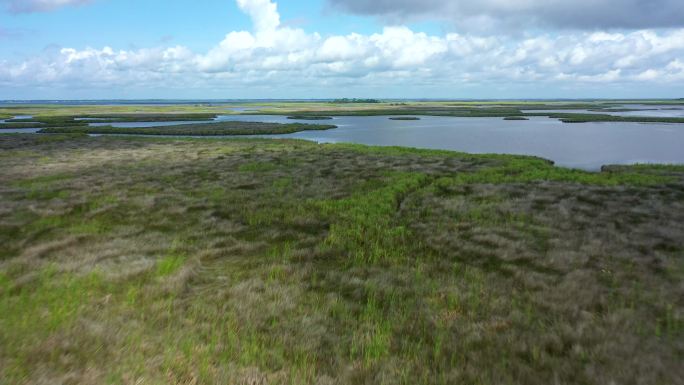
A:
<point x="131" y="23"/>
<point x="339" y="48"/>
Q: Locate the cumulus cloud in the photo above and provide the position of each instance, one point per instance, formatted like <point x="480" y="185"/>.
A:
<point x="277" y="56"/>
<point x="29" y="6"/>
<point x="478" y="14"/>
<point x="264" y="13"/>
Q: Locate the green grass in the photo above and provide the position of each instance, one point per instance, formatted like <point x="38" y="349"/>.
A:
<point x="170" y="264"/>
<point x="209" y="129"/>
<point x="526" y="170"/>
<point x="365" y="223"/>
<point x="167" y="260"/>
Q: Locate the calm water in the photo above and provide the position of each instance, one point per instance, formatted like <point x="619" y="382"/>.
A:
<point x="18" y="130"/>
<point x="660" y="111"/>
<point x="17" y="117"/>
<point x="587" y="145"/>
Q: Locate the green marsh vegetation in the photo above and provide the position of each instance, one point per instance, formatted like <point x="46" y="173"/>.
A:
<point x="57" y="116"/>
<point x="413" y="110"/>
<point x="164" y="260"/>
<point x="18" y="125"/>
<point x="212" y="129"/>
<point x="506" y="110"/>
<point x="609" y="118"/>
<point x="152" y="117"/>
<point x="309" y="117"/>
<point x="84" y="120"/>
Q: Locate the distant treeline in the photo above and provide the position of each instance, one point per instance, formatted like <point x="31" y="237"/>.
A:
<point x="345" y="100"/>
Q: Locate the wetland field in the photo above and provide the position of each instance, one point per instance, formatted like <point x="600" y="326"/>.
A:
<point x="127" y="258"/>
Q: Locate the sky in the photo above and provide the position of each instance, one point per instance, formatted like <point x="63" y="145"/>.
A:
<point x="245" y="49"/>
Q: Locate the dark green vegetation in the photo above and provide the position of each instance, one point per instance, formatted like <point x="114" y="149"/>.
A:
<point x="60" y="116"/>
<point x="151" y="117"/>
<point x="309" y="117"/>
<point x="404" y="118"/>
<point x="163" y="260"/>
<point x="506" y="112"/>
<point x="213" y="129"/>
<point x="83" y="120"/>
<point x="415" y="110"/>
<point x="18" y="125"/>
<point x="52" y="121"/>
<point x="509" y="111"/>
<point x="585" y="118"/>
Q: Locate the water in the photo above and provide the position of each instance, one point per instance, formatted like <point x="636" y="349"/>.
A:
<point x="658" y="111"/>
<point x="19" y="117"/>
<point x="587" y="145"/>
<point x="641" y="110"/>
<point x="28" y="130"/>
<point x="19" y="130"/>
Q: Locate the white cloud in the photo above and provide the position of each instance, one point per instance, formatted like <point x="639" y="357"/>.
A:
<point x="264" y="13"/>
<point x="277" y="56"/>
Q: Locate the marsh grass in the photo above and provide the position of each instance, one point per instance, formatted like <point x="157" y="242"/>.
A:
<point x="208" y="129"/>
<point x="18" y="125"/>
<point x="164" y="260"/>
<point x="586" y="118"/>
<point x="146" y="117"/>
<point x="309" y="117"/>
<point x="440" y="110"/>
